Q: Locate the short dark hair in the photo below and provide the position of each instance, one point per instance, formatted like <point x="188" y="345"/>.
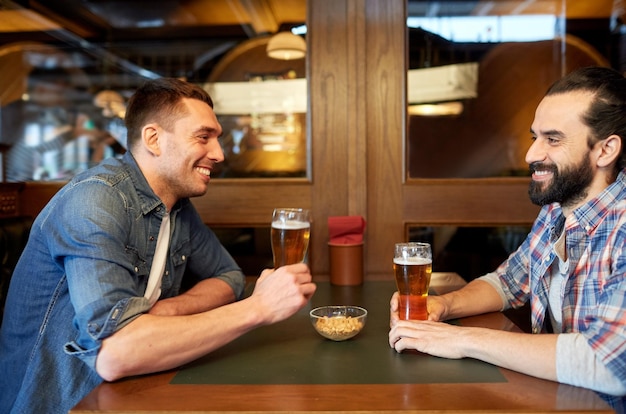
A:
<point x="606" y="114"/>
<point x="159" y="100"/>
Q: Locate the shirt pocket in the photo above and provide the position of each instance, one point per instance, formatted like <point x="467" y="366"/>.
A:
<point x="173" y="279"/>
<point x="180" y="255"/>
<point x="140" y="269"/>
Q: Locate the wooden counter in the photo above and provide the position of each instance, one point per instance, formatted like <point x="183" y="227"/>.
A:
<point x="288" y="367"/>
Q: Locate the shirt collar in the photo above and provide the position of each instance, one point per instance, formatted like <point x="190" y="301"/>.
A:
<point x="148" y="199"/>
<point x="591" y="214"/>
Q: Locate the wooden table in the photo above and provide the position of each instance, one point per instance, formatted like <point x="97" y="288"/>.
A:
<point x="288" y="367"/>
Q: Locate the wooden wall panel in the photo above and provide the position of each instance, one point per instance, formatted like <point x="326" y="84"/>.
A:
<point x="385" y="96"/>
<point x="357" y="78"/>
<point x="35" y="195"/>
<point x="334" y="63"/>
<point x="249" y="203"/>
<point x="481" y="202"/>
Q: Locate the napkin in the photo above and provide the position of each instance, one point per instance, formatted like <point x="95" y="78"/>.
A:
<point x="346" y="229"/>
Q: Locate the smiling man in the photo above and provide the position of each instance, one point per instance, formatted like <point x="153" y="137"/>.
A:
<point x="571" y="267"/>
<point x="85" y="303"/>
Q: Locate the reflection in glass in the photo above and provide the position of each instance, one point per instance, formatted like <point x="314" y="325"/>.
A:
<point x="264" y="125"/>
<point x="261" y="103"/>
<point x="63" y="96"/>
<point x="489" y="136"/>
<point x="54" y="130"/>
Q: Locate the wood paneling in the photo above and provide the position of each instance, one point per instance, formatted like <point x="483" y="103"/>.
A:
<point x="385" y="95"/>
<point x="481" y="202"/>
<point x="357" y="84"/>
<point x="332" y="118"/>
<point x="35" y="195"/>
<point x="249" y="203"/>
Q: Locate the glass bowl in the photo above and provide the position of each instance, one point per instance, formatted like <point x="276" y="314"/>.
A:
<point x="339" y="322"/>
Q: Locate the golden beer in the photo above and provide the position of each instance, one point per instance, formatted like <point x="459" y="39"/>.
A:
<point x="412" y="279"/>
<point x="290" y="241"/>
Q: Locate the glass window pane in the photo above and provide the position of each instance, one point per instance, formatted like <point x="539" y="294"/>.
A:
<point x="67" y="81"/>
<point x="519" y="48"/>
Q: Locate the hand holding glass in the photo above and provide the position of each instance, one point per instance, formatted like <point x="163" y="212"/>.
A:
<point x="412" y="266"/>
<point x="291" y="229"/>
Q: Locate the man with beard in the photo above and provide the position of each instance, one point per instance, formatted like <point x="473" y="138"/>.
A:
<point x="571" y="266"/>
<point x="94" y="297"/>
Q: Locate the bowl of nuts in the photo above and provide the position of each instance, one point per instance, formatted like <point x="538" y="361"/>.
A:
<point x="338" y="323"/>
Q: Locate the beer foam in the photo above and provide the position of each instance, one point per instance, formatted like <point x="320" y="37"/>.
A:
<point x="291" y="225"/>
<point x="412" y="261"/>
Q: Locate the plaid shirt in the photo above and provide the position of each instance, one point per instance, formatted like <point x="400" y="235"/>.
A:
<point x="594" y="298"/>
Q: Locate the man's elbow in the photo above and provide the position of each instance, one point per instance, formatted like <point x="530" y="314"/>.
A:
<point x="110" y="368"/>
<point x="114" y="361"/>
<point x="614" y="387"/>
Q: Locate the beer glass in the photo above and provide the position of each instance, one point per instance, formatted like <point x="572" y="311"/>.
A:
<point x="412" y="266"/>
<point x="291" y="229"/>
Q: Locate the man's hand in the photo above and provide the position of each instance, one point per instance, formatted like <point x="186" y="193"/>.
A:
<point x="434" y="338"/>
<point x="436" y="309"/>
<point x="280" y="293"/>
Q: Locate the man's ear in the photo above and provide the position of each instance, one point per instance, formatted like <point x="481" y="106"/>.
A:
<point x="150" y="138"/>
<point x="610" y="150"/>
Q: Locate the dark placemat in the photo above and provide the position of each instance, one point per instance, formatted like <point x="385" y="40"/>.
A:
<point x="291" y="352"/>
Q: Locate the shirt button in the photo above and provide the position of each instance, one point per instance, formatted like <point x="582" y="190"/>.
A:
<point x="535" y="330"/>
<point x="136" y="269"/>
<point x="183" y="257"/>
<point x="167" y="272"/>
<point x="151" y="238"/>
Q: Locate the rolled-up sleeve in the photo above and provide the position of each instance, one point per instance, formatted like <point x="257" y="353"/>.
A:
<point x="576" y="364"/>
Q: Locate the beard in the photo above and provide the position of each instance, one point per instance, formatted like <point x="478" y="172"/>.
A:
<point x="567" y="187"/>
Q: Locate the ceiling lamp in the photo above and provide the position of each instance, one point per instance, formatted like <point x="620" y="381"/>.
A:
<point x="286" y="46"/>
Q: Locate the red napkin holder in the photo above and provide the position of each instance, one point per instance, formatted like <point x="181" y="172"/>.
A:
<point x="345" y="250"/>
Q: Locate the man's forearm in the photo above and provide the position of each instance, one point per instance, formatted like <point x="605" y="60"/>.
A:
<point x="527" y="353"/>
<point x="475" y="298"/>
<point x="205" y="295"/>
<point x="153" y="343"/>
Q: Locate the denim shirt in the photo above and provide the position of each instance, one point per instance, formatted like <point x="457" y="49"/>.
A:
<point x="82" y="277"/>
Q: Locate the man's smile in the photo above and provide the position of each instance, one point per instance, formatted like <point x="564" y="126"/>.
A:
<point x="204" y="171"/>
<point x="542" y="172"/>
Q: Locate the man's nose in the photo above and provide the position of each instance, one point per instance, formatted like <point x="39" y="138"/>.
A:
<point x="214" y="151"/>
<point x="536" y="152"/>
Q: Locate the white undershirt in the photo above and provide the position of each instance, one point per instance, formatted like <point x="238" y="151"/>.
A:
<point x="557" y="285"/>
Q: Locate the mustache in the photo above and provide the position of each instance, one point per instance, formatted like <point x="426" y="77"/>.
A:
<point x="540" y="166"/>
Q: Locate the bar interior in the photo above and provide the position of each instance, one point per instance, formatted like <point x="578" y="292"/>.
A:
<point x="412" y="114"/>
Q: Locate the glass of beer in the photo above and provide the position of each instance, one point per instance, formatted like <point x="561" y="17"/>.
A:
<point x="291" y="229"/>
<point x="412" y="267"/>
